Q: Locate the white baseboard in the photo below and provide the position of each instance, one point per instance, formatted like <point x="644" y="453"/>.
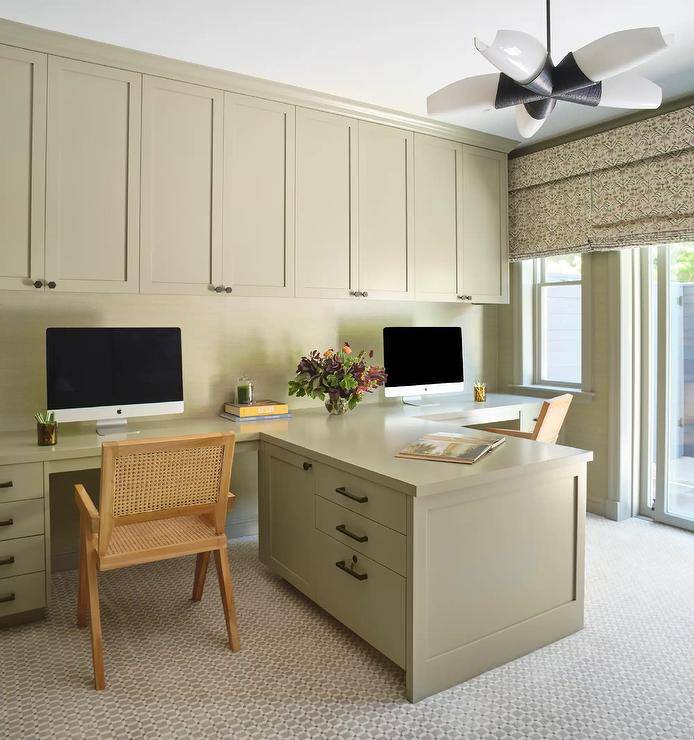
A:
<point x="596" y="506"/>
<point x="605" y="507"/>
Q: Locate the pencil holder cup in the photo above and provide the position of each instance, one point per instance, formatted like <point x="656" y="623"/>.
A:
<point x="480" y="392"/>
<point x="47" y="434"/>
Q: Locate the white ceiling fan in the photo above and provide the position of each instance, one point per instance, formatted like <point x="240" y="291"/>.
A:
<point x="597" y="74"/>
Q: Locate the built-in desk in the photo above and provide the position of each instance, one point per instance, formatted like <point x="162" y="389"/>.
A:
<point x="466" y="567"/>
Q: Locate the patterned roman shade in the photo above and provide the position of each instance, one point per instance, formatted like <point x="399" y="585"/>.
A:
<point x="626" y="187"/>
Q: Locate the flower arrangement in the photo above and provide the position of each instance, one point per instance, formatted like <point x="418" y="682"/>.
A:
<point x="339" y="378"/>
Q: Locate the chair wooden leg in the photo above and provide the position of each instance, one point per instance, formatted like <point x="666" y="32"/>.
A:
<point x="201" y="563"/>
<point x="82" y="593"/>
<point x="221" y="561"/>
<point x="94" y="616"/>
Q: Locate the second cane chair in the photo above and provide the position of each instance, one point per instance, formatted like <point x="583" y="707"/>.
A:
<point x="548" y="424"/>
<point x="160" y="498"/>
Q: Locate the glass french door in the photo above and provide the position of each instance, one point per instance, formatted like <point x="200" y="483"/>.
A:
<point x="667" y="371"/>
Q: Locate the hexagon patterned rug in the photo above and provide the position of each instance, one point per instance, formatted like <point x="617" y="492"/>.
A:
<point x="300" y="674"/>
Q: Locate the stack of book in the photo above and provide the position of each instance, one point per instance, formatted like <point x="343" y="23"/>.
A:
<point x="256" y="411"/>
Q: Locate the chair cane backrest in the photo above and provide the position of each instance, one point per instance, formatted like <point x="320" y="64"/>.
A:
<point x="164" y="477"/>
<point x="551" y="418"/>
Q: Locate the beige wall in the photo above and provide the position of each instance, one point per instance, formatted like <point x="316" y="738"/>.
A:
<point x="588" y="421"/>
<point x="222" y="337"/>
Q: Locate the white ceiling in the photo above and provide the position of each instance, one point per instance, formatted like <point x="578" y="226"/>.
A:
<point x="388" y="52"/>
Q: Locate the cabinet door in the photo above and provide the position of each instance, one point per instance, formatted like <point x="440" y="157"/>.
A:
<point x="483" y="263"/>
<point x="286" y="516"/>
<point x="386" y="254"/>
<point x="326" y="204"/>
<point x="182" y="164"/>
<point x="22" y="167"/>
<point x="258" y="196"/>
<point x="92" y="177"/>
<point x="438" y="231"/>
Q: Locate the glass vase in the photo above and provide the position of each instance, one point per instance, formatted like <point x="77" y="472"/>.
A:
<point x="336" y="406"/>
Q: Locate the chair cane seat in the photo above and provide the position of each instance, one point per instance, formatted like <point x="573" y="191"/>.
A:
<point x="140" y="538"/>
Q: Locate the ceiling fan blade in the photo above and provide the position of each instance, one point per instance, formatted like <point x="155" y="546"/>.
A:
<point x="527" y="125"/>
<point x="630" y="90"/>
<point x="531" y="116"/>
<point x="469" y="94"/>
<point x="619" y="52"/>
<point x="518" y="55"/>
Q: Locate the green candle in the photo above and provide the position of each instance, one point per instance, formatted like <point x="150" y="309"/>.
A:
<point x="244" y="390"/>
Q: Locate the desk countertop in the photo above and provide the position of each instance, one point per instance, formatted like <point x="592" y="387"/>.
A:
<point x="363" y="441"/>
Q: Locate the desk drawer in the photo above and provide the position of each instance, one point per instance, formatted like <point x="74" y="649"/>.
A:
<point x="374" y="608"/>
<point x="19" y="482"/>
<point x="21" y="518"/>
<point x="24" y="555"/>
<point x="22" y="593"/>
<point x="384" y="545"/>
<point x="381" y="504"/>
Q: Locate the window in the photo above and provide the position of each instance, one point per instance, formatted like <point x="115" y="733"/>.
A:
<point x="557" y="340"/>
<point x="551" y="298"/>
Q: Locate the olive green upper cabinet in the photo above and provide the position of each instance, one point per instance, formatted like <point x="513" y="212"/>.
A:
<point x="182" y="172"/>
<point x="258" y="210"/>
<point x="326" y="204"/>
<point x="92" y="177"/>
<point x="437" y="223"/>
<point x="386" y="210"/>
<point x="483" y="262"/>
<point x="22" y="162"/>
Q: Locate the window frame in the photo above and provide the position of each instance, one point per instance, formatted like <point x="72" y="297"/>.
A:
<point x="527" y="280"/>
<point x="539" y="282"/>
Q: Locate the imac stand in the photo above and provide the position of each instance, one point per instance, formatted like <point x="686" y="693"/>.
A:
<point x="107" y="427"/>
<point x="420" y="401"/>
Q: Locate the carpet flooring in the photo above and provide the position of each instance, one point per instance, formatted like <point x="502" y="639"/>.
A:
<point x="300" y="674"/>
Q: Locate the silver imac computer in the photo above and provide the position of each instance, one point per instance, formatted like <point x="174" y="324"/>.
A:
<point x="109" y="375"/>
<point x="421" y="361"/>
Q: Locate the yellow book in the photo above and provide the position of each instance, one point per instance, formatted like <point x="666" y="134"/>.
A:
<point x="257" y="408"/>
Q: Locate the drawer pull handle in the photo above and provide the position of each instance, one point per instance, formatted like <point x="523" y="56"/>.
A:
<point x="6" y="522"/>
<point x="344" y="492"/>
<point x="6" y="597"/>
<point x="7" y="561"/>
<point x="307" y="466"/>
<point x="349" y="569"/>
<point x="358" y="537"/>
<point x="7" y="484"/>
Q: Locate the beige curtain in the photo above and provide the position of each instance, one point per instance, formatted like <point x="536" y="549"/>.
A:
<point x="625" y="187"/>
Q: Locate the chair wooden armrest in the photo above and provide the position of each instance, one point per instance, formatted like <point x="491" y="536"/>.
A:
<point x="231" y="499"/>
<point x="509" y="432"/>
<point x="86" y="508"/>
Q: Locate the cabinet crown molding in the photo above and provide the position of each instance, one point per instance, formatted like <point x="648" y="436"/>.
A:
<point x="74" y="47"/>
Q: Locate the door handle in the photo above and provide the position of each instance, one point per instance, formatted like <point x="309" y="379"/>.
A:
<point x="349" y="569"/>
<point x="307" y="466"/>
<point x="344" y="492"/>
<point x="358" y="537"/>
